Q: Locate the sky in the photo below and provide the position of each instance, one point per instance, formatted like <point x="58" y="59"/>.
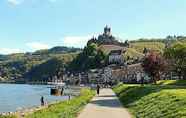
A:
<point x="29" y="25"/>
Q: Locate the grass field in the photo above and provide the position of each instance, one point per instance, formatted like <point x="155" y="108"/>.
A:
<point x="65" y="109"/>
<point x="153" y="101"/>
<point x="132" y="53"/>
<point x="139" y="46"/>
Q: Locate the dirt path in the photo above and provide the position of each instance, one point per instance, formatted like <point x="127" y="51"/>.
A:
<point x="106" y="105"/>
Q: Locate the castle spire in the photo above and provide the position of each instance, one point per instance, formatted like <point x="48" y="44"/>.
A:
<point x="107" y="30"/>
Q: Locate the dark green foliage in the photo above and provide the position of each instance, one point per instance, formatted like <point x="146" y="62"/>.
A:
<point x="45" y="70"/>
<point x="90" y="58"/>
<point x="177" y="54"/>
<point x="15" y="66"/>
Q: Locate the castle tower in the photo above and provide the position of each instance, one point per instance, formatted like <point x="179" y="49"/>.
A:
<point x="107" y="31"/>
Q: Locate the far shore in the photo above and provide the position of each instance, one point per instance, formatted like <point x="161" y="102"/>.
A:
<point x="23" y="82"/>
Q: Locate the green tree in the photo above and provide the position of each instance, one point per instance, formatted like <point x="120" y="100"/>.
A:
<point x="90" y="58"/>
<point x="177" y="56"/>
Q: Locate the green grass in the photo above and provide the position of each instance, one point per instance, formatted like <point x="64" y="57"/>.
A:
<point x="132" y="53"/>
<point x="7" y="116"/>
<point x="153" y="101"/>
<point x="172" y="82"/>
<point x="66" y="109"/>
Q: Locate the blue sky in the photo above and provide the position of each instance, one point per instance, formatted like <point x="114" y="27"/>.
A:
<point x="28" y="25"/>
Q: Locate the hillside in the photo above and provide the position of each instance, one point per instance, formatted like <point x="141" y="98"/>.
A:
<point x="133" y="53"/>
<point x="107" y="48"/>
<point x="49" y="68"/>
<point x="136" y="48"/>
<point x="15" y="66"/>
<point x="153" y="101"/>
<point x="139" y="46"/>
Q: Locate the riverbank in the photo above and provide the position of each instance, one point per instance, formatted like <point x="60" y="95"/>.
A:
<point x="64" y="109"/>
<point x="23" y="112"/>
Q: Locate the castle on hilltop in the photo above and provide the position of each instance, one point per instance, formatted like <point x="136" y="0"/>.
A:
<point x="107" y="39"/>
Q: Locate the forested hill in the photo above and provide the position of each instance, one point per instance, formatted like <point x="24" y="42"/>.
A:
<point x="16" y="66"/>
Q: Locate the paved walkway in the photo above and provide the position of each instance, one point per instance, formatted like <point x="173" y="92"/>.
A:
<point x="106" y="105"/>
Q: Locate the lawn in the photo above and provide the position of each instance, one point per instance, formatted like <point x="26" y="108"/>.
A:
<point x="153" y="101"/>
<point x="172" y="82"/>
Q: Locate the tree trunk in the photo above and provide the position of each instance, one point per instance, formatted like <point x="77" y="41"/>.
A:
<point x="154" y="79"/>
<point x="184" y="76"/>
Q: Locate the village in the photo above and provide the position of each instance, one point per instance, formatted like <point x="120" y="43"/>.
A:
<point x="117" y="69"/>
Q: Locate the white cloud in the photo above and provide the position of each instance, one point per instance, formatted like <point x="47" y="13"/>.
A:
<point x="15" y="2"/>
<point x="37" y="46"/>
<point x="9" y="51"/>
<point x="18" y="2"/>
<point x="75" y="41"/>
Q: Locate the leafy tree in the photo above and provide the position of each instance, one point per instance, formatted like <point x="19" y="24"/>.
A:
<point x="100" y="59"/>
<point x="153" y="65"/>
<point x="177" y="56"/>
<point x="45" y="70"/>
<point x="90" y="58"/>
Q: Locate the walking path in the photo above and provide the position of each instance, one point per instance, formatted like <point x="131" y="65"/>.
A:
<point x="106" y="105"/>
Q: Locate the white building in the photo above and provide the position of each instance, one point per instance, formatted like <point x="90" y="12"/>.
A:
<point x="116" y="57"/>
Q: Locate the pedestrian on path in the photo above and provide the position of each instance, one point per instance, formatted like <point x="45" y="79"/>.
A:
<point x="98" y="88"/>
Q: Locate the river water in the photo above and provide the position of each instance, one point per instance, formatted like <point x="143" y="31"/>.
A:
<point x="15" y="97"/>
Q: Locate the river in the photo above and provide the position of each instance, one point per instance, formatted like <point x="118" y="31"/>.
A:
<point x="15" y="97"/>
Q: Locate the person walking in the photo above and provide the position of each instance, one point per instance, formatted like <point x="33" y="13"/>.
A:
<point x="42" y="101"/>
<point x="98" y="89"/>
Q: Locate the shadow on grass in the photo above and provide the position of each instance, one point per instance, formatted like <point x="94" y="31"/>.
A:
<point x="130" y="94"/>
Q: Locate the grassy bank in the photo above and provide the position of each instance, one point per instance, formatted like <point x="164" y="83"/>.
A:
<point x="153" y="101"/>
<point x="8" y="117"/>
<point x="65" y="109"/>
<point x="172" y="82"/>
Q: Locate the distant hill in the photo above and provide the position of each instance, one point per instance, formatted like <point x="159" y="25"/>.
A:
<point x="3" y="57"/>
<point x="15" y="66"/>
<point x="58" y="50"/>
<point x="49" y="68"/>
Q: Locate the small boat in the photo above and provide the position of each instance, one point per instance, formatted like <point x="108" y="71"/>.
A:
<point x="56" y="83"/>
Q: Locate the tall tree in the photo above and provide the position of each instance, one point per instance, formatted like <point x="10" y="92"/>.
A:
<point x="177" y="56"/>
<point x="90" y="58"/>
<point x="153" y="65"/>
